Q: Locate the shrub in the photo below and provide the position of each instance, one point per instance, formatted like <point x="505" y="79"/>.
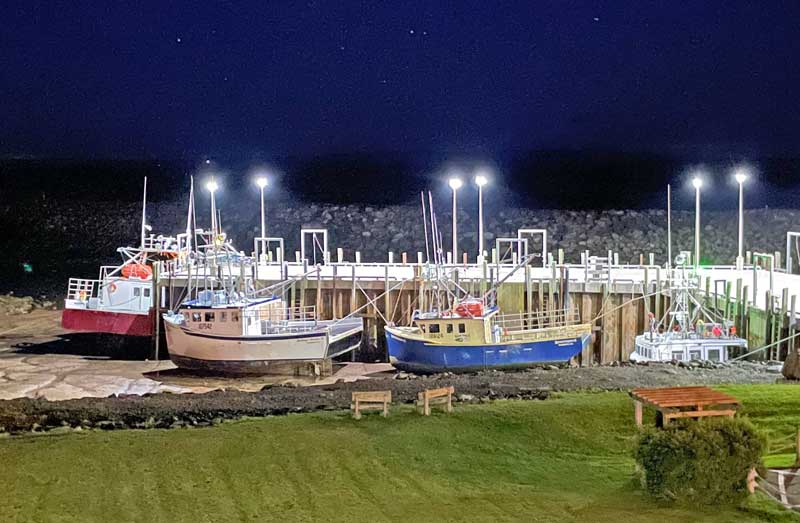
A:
<point x="699" y="461"/>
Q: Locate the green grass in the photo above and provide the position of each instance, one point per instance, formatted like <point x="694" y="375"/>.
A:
<point x="566" y="459"/>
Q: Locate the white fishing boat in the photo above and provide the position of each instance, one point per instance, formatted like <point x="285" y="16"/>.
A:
<point x="227" y="326"/>
<point x="688" y="330"/>
<point x="226" y="332"/>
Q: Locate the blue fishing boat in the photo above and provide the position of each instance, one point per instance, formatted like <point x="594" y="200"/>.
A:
<point x="469" y="338"/>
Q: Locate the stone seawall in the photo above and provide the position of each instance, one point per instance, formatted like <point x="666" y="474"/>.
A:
<point x="60" y="238"/>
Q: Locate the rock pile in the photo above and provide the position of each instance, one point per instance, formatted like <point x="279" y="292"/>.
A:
<point x="11" y="305"/>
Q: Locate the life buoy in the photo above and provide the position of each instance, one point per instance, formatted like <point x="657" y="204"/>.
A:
<point x="112" y="287"/>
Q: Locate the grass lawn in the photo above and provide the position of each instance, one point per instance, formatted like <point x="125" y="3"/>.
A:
<point x="565" y="459"/>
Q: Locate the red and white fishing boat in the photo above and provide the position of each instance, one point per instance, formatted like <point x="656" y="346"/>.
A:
<point x="121" y="299"/>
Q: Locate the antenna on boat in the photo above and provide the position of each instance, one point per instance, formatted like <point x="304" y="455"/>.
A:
<point x="425" y="225"/>
<point x="189" y="215"/>
<point x="144" y="210"/>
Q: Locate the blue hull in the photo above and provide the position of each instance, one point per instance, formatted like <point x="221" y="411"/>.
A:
<point x="418" y="356"/>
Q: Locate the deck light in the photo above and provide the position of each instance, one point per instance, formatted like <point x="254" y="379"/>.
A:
<point x="741" y="175"/>
<point x="480" y="180"/>
<point x="261" y="181"/>
<point x="697" y="182"/>
<point x="212" y="187"/>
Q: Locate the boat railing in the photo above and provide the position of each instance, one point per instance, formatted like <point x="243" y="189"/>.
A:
<point x="284" y="319"/>
<point x="80" y="289"/>
<point x="537" y="319"/>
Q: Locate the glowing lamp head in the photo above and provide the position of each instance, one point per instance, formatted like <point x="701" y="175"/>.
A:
<point x="454" y="183"/>
<point x="261" y="181"/>
<point x="697" y="182"/>
<point x="740" y="176"/>
<point x="212" y="186"/>
<point x="481" y="180"/>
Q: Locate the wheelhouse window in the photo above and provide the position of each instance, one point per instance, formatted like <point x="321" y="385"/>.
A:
<point x="196" y="316"/>
<point x="235" y="316"/>
<point x="137" y="292"/>
<point x="209" y="316"/>
<point x="434" y="328"/>
<point x="462" y="328"/>
<point x="449" y="328"/>
<point x="147" y="293"/>
<point x="223" y="316"/>
<point x="422" y="327"/>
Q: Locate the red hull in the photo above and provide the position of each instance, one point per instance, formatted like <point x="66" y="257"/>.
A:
<point x="123" y="323"/>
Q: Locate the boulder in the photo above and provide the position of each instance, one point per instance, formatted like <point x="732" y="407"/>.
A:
<point x="791" y="367"/>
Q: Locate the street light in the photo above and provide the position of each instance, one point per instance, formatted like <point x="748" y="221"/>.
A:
<point x="740" y="175"/>
<point x="697" y="182"/>
<point x="261" y="181"/>
<point x="455" y="184"/>
<point x="480" y="181"/>
<point x="212" y="187"/>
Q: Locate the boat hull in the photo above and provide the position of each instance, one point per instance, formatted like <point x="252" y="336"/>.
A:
<point x="418" y="356"/>
<point x="124" y="323"/>
<point x="293" y="354"/>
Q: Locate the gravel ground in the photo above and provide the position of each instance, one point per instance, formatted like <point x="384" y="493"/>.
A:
<point x="176" y="410"/>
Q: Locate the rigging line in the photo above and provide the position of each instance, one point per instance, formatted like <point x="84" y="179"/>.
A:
<point x="765" y="347"/>
<point x="370" y="301"/>
<point x="623" y="304"/>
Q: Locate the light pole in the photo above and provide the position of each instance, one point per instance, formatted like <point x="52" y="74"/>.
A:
<point x="697" y="183"/>
<point x="455" y="184"/>
<point x="480" y="181"/>
<point x="212" y="187"/>
<point x="261" y="181"/>
<point x="740" y="176"/>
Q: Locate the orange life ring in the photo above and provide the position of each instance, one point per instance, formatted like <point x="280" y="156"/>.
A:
<point x="112" y="288"/>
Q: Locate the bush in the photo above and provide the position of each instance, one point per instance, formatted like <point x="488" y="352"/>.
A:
<point x="704" y="461"/>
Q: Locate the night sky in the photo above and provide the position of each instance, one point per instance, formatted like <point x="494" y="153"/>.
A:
<point x="259" y="80"/>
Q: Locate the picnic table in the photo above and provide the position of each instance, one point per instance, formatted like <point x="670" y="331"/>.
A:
<point x="684" y="402"/>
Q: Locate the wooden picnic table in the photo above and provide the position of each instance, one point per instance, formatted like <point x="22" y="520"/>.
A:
<point x="684" y="402"/>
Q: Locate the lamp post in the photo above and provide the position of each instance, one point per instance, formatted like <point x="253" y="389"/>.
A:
<point x="480" y="181"/>
<point x="455" y="184"/>
<point x="697" y="182"/>
<point x="212" y="187"/>
<point x="261" y="181"/>
<point x="740" y="176"/>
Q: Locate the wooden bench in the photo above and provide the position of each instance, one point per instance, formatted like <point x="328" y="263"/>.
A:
<point x="443" y="396"/>
<point x="371" y="400"/>
<point x="684" y="402"/>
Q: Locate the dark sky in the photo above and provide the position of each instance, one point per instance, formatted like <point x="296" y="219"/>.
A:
<point x="162" y="79"/>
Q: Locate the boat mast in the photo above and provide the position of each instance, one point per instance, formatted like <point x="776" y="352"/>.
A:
<point x="425" y="225"/>
<point x="144" y="212"/>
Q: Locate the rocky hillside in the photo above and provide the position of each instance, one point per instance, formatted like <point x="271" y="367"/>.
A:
<point x="61" y="238"/>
